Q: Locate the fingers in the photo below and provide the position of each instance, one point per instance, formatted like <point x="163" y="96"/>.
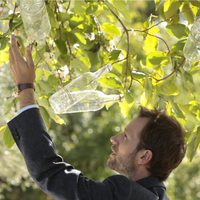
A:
<point x="28" y="56"/>
<point x="11" y="58"/>
<point x="15" y="48"/>
<point x="12" y="69"/>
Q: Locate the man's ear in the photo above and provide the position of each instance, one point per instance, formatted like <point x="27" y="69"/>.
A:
<point x="144" y="157"/>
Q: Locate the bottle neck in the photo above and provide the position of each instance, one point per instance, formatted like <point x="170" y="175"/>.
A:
<point x="107" y="68"/>
<point x="32" y="6"/>
<point x="112" y="98"/>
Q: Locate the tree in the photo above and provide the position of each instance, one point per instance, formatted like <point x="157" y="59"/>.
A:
<point x="143" y="40"/>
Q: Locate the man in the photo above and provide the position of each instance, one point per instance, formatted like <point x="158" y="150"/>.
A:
<point x="150" y="147"/>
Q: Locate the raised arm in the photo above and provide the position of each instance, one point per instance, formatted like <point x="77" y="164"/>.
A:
<point x="54" y="176"/>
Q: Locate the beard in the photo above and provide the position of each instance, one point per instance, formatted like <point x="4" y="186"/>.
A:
<point x="121" y="164"/>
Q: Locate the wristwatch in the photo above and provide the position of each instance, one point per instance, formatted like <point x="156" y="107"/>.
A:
<point x="23" y="86"/>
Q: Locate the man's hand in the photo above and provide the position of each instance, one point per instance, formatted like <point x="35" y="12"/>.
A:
<point x="23" y="71"/>
<point x="22" y="68"/>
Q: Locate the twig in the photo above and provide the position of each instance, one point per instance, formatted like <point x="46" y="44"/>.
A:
<point x="120" y="38"/>
<point x="68" y="5"/>
<point x="97" y="25"/>
<point x="118" y="61"/>
<point x="13" y="15"/>
<point x="128" y="44"/>
<point x="150" y="27"/>
<point x="174" y="71"/>
<point x="145" y="31"/>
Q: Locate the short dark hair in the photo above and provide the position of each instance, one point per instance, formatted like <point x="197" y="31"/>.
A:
<point x="164" y="136"/>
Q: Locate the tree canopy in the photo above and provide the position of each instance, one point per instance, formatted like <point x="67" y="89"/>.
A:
<point x="144" y="42"/>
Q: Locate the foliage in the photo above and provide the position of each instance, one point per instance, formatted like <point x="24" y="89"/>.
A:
<point x="144" y="41"/>
<point x="184" y="182"/>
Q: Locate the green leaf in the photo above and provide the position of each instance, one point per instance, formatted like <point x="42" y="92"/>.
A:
<point x="92" y="8"/>
<point x="3" y="43"/>
<point x="188" y="77"/>
<point x="177" y="110"/>
<point x="8" y="139"/>
<point x="94" y="58"/>
<point x="178" y="30"/>
<point x="43" y="102"/>
<point x="114" y="54"/>
<point x="2" y="129"/>
<point x="125" y="108"/>
<point x="129" y="97"/>
<point x="138" y="75"/>
<point x="52" y="18"/>
<point x="81" y="38"/>
<point x="171" y="7"/>
<point x="75" y="21"/>
<point x="148" y="89"/>
<point x="122" y="6"/>
<point x="79" y="7"/>
<point x="110" y="81"/>
<point x="111" y="29"/>
<point x="168" y="88"/>
<point x="44" y="86"/>
<point x="151" y="42"/>
<point x="45" y="116"/>
<point x="193" y="143"/>
<point x="4" y="56"/>
<point x="195" y="3"/>
<point x="156" y="59"/>
<point x="178" y="47"/>
<point x="63" y="16"/>
<point x="53" y="81"/>
<point x="187" y="12"/>
<point x="61" y="46"/>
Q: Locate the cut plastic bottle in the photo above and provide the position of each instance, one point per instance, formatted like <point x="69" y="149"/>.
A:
<point x="87" y="81"/>
<point x="89" y="100"/>
<point x="191" y="49"/>
<point x="35" y="19"/>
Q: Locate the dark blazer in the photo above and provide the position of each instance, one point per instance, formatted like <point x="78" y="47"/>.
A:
<point x="60" y="180"/>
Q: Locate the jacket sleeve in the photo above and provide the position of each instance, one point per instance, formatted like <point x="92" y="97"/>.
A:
<point x="54" y="176"/>
<point x="59" y="179"/>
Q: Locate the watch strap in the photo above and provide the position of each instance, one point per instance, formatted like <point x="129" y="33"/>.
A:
<point x="23" y="86"/>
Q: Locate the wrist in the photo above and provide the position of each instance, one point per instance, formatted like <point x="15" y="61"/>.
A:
<point x="23" y="86"/>
<point x="26" y="97"/>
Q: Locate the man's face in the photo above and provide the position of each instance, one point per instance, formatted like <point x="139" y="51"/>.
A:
<point x="124" y="157"/>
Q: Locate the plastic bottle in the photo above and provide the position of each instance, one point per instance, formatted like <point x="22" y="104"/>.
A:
<point x="35" y="19"/>
<point x="87" y="81"/>
<point x="89" y="100"/>
<point x="191" y="49"/>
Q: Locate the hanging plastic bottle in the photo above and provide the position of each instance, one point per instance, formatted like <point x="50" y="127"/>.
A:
<point x="87" y="81"/>
<point x="35" y="19"/>
<point x="191" y="49"/>
<point x="89" y="100"/>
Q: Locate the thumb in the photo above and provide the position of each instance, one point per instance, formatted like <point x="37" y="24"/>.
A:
<point x="28" y="56"/>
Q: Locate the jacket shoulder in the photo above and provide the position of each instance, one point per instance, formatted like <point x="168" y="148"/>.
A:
<point x="122" y="187"/>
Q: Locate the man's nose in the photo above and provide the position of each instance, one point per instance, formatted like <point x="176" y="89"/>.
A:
<point x="114" y="139"/>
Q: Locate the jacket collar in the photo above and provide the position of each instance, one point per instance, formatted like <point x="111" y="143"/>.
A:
<point x="149" y="182"/>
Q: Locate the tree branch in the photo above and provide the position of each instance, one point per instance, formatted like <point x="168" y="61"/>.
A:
<point x="13" y="16"/>
<point x="68" y="5"/>
<point x="146" y="31"/>
<point x="174" y="71"/>
<point x="127" y="58"/>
